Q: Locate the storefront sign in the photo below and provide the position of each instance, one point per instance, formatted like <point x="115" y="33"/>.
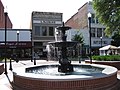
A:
<point x="16" y="44"/>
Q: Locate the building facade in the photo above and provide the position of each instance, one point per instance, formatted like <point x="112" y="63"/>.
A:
<point x="18" y="43"/>
<point x="79" y="22"/>
<point x="2" y="18"/>
<point x="43" y="27"/>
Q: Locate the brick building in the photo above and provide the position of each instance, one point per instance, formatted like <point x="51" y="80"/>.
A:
<point x="2" y="18"/>
<point x="79" y="22"/>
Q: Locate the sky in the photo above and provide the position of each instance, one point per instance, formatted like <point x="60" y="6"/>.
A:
<point x="20" y="11"/>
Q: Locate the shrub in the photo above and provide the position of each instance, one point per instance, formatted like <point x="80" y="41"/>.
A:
<point x="107" y="58"/>
<point x="1" y="58"/>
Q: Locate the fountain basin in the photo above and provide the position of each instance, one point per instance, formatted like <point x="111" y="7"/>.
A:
<point x="32" y="81"/>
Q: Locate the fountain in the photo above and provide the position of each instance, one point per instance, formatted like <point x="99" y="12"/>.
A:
<point x="65" y="64"/>
<point x="64" y="75"/>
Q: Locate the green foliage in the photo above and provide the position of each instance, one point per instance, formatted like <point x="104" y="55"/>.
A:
<point x="1" y="58"/>
<point x="107" y="58"/>
<point x="78" y="37"/>
<point x="116" y="39"/>
<point x="108" y="13"/>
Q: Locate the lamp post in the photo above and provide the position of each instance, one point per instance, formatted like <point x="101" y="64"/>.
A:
<point x="101" y="41"/>
<point x="89" y="20"/>
<point x="17" y="45"/>
<point x="5" y="41"/>
<point x="10" y="65"/>
<point x="31" y="46"/>
<point x="34" y="58"/>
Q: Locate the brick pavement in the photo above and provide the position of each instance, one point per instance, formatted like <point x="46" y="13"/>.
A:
<point x="5" y="80"/>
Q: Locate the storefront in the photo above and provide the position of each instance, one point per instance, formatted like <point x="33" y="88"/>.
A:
<point x="21" y="50"/>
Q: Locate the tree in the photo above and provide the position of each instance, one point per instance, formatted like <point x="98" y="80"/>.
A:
<point x="78" y="37"/>
<point x="116" y="39"/>
<point x="108" y="13"/>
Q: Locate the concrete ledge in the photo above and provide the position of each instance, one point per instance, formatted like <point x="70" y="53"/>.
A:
<point x="110" y="63"/>
<point x="1" y="68"/>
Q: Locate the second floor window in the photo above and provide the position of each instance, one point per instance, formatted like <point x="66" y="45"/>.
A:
<point x="44" y="31"/>
<point x="93" y="18"/>
<point x="37" y="30"/>
<point x="92" y="32"/>
<point x="51" y="31"/>
<point x="99" y="32"/>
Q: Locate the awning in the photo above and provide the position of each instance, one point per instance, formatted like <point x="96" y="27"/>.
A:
<point x="108" y="47"/>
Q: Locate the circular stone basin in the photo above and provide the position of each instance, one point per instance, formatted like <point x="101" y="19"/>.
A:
<point x="84" y="77"/>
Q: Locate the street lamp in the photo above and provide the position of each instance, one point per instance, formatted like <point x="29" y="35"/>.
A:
<point x="5" y="13"/>
<point x="31" y="46"/>
<point x="10" y="65"/>
<point x="17" y="45"/>
<point x="89" y="19"/>
<point x="101" y="41"/>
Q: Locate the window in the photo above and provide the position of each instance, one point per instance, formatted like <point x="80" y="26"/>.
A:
<point x="38" y="44"/>
<point x="51" y="31"/>
<point x="99" y="32"/>
<point x="44" y="31"/>
<point x="97" y="20"/>
<point x="37" y="30"/>
<point x="92" y="32"/>
<point x="104" y="35"/>
<point x="92" y="18"/>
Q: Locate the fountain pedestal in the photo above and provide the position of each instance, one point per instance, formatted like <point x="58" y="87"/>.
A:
<point x="65" y="68"/>
<point x="65" y="65"/>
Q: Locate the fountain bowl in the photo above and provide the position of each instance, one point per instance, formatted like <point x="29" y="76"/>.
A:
<point x="106" y="80"/>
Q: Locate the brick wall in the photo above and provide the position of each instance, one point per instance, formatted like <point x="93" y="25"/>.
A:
<point x="2" y="18"/>
<point x="1" y="68"/>
<point x="105" y="83"/>
<point x="79" y="20"/>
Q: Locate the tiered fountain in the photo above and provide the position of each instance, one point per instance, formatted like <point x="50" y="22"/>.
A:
<point x="64" y="75"/>
<point x="65" y="64"/>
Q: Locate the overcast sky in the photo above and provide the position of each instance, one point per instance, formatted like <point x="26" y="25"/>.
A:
<point x="20" y="11"/>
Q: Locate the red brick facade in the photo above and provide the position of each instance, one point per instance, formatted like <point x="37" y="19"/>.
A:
<point x="79" y="20"/>
<point x="1" y="68"/>
<point x="106" y="83"/>
<point x="2" y="18"/>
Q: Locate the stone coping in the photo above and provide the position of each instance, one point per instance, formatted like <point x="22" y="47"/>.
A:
<point x="101" y="61"/>
<point x="108" y="70"/>
<point x="110" y="63"/>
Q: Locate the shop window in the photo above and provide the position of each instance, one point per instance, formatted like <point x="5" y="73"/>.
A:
<point x="38" y="43"/>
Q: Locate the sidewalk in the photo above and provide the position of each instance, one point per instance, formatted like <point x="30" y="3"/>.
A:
<point x="5" y="80"/>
